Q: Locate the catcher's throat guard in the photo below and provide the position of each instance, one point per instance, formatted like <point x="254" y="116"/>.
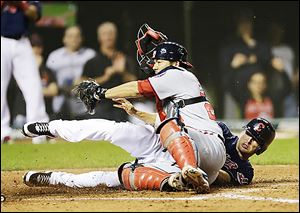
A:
<point x="147" y="40"/>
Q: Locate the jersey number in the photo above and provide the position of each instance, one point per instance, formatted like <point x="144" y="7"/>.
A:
<point x="210" y="111"/>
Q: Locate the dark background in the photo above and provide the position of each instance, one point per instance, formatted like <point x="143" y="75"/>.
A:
<point x="212" y="24"/>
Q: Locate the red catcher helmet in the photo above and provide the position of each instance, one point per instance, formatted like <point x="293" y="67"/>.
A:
<point x="147" y="40"/>
<point x="262" y="131"/>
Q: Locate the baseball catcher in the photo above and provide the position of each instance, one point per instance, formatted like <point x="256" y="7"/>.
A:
<point x="185" y="119"/>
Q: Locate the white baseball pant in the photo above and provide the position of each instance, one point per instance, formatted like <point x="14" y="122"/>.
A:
<point x="137" y="139"/>
<point x="17" y="59"/>
<point x="211" y="152"/>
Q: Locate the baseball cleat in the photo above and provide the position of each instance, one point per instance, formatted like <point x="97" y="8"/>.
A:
<point x="37" y="129"/>
<point x="33" y="178"/>
<point x="177" y="182"/>
<point x="197" y="178"/>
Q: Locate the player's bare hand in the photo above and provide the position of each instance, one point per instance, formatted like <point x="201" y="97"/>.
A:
<point x="123" y="103"/>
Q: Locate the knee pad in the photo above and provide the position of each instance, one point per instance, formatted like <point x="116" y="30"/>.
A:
<point x="142" y="178"/>
<point x="178" y="143"/>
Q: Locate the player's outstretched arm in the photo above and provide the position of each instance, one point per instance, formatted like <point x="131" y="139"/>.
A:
<point x="147" y="117"/>
<point x="126" y="90"/>
<point x="90" y="92"/>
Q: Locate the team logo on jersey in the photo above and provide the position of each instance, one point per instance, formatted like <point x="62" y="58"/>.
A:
<point x="229" y="164"/>
<point x="258" y="127"/>
<point x="241" y="178"/>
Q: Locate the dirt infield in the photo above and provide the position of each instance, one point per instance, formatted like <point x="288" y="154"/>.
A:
<point x="274" y="188"/>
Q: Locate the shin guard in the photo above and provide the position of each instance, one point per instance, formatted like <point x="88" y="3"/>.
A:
<point x="179" y="144"/>
<point x="143" y="178"/>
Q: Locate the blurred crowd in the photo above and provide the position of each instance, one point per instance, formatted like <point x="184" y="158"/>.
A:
<point x="72" y="63"/>
<point x="259" y="78"/>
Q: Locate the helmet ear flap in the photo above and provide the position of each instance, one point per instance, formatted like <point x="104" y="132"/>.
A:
<point x="259" y="150"/>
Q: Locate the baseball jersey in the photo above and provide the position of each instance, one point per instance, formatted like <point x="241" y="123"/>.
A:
<point x="173" y="84"/>
<point x="14" y="22"/>
<point x="240" y="171"/>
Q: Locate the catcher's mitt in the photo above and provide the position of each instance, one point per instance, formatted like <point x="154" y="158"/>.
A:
<point x="90" y="93"/>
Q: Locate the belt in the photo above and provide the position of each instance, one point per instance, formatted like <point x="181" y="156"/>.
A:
<point x="182" y="103"/>
<point x="16" y="37"/>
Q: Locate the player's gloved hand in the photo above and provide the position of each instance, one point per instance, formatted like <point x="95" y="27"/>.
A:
<point x="90" y="93"/>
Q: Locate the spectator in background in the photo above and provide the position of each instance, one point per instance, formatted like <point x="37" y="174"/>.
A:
<point x="283" y="64"/>
<point x="67" y="64"/>
<point x="110" y="67"/>
<point x="259" y="104"/>
<point x="240" y="59"/>
<point x="49" y="85"/>
<point x="17" y="59"/>
<point x="280" y="49"/>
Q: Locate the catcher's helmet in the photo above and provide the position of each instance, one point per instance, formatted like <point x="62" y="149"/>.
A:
<point x="262" y="131"/>
<point x="147" y="40"/>
<point x="172" y="51"/>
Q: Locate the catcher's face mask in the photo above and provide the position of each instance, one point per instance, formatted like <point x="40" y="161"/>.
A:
<point x="147" y="40"/>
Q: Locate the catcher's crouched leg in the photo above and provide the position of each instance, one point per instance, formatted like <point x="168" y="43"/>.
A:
<point x="139" y="177"/>
<point x="178" y="143"/>
<point x="184" y="152"/>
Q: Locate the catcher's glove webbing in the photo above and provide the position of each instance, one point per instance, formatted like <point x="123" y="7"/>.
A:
<point x="90" y="93"/>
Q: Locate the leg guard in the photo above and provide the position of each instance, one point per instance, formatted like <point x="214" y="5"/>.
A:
<point x="142" y="178"/>
<point x="179" y="144"/>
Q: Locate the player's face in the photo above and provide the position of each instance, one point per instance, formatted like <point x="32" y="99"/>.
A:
<point x="247" y="145"/>
<point x="72" y="38"/>
<point x="160" y="64"/>
<point x="257" y="84"/>
<point x="107" y="36"/>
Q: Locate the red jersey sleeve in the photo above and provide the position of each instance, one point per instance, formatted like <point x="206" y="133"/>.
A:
<point x="145" y="88"/>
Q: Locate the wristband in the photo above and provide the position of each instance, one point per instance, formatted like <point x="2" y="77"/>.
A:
<point x="100" y="93"/>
